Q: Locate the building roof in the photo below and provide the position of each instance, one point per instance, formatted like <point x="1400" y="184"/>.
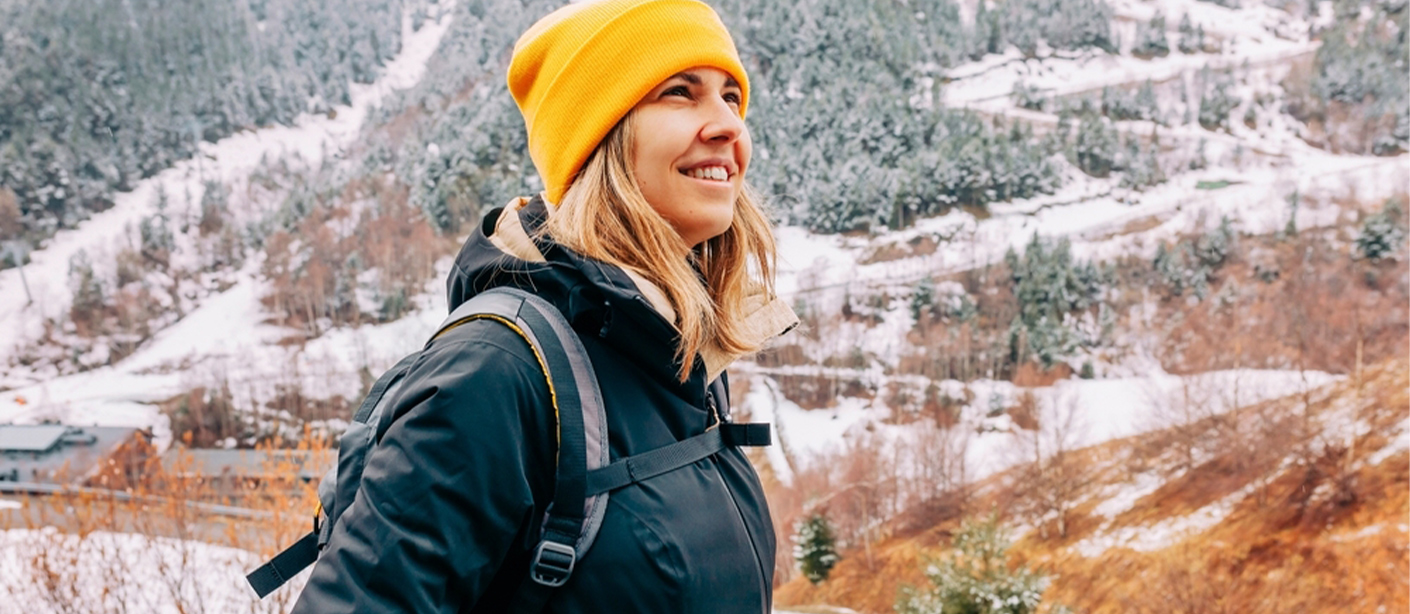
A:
<point x="304" y="464"/>
<point x="57" y="453"/>
<point x="30" y="438"/>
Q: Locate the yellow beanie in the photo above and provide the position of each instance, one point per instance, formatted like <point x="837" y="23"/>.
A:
<point x="582" y="68"/>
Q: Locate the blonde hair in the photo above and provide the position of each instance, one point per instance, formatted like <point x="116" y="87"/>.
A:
<point x="604" y="216"/>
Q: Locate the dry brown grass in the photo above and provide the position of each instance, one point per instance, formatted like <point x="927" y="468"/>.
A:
<point x="921" y="245"/>
<point x="73" y="557"/>
<point x="1329" y="534"/>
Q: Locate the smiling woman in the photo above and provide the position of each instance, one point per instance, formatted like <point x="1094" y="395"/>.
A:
<point x="692" y="151"/>
<point x="649" y="241"/>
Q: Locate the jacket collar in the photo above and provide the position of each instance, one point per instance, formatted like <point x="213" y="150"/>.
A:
<point x="625" y="309"/>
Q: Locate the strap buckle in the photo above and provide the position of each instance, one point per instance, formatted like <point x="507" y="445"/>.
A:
<point x="747" y="434"/>
<point x="553" y="563"/>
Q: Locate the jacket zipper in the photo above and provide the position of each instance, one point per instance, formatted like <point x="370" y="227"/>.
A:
<point x="739" y="513"/>
<point x="758" y="563"/>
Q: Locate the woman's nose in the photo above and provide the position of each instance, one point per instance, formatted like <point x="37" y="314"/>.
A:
<point x="723" y="123"/>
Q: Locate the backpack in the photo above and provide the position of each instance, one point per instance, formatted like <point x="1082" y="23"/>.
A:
<point x="584" y="477"/>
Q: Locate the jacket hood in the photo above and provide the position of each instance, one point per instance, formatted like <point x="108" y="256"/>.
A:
<point x="624" y="310"/>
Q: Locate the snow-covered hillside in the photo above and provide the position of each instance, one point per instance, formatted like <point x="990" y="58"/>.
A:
<point x="223" y="339"/>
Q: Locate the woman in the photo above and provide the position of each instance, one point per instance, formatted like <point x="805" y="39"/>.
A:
<point x="648" y="240"/>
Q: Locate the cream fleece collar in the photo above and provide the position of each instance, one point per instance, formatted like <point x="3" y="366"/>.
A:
<point x="768" y="317"/>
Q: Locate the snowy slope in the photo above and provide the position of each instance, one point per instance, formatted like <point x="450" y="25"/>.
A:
<point x="1095" y="410"/>
<point x="224" y="340"/>
<point x="23" y="313"/>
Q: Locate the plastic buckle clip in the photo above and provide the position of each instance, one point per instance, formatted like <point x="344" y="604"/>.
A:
<point x="553" y="563"/>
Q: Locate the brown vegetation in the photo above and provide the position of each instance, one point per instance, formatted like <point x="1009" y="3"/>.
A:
<point x="314" y="267"/>
<point x="1295" y="305"/>
<point x="143" y="526"/>
<point x="1326" y="534"/>
<point x="920" y="245"/>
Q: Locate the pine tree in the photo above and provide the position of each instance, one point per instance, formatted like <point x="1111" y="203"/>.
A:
<point x="1217" y="102"/>
<point x="88" y="292"/>
<point x="1095" y="146"/>
<point x="976" y="578"/>
<point x="214" y="207"/>
<point x="1150" y="38"/>
<point x="815" y="548"/>
<point x="1383" y="233"/>
<point x="1049" y="287"/>
<point x="1213" y="248"/>
<point x="155" y="230"/>
<point x="1146" y="105"/>
<point x="1028" y="97"/>
<point x="1294" y="200"/>
<point x="1186" y="43"/>
<point x="87" y="108"/>
<point x="923" y="299"/>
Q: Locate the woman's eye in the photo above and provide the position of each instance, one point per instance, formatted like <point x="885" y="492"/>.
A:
<point x="679" y="90"/>
<point x="732" y="98"/>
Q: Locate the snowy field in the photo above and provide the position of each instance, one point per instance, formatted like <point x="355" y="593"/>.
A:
<point x="1092" y="412"/>
<point x="44" y="572"/>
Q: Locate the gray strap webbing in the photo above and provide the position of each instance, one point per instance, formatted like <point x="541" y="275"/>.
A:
<point x="668" y="458"/>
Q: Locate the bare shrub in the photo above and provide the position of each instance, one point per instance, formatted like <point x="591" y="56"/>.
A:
<point x="1308" y="316"/>
<point x="1184" y="417"/>
<point x="939" y="482"/>
<point x="315" y="267"/>
<point x="816" y="391"/>
<point x="152" y="540"/>
<point x="204" y="417"/>
<point x="1181" y="581"/>
<point x="1053" y="474"/>
<point x="11" y="221"/>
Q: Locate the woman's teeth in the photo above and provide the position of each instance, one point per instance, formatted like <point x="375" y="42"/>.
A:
<point x="712" y="173"/>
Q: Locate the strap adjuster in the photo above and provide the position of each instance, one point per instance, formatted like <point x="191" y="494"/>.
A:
<point x="747" y="433"/>
<point x="553" y="563"/>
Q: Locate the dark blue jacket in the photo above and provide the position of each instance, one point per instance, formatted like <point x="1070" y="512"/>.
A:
<point x="451" y="499"/>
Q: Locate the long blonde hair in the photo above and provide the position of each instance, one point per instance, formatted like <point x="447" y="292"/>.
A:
<point x="604" y="215"/>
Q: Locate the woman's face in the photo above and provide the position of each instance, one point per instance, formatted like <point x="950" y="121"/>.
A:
<point x="691" y="150"/>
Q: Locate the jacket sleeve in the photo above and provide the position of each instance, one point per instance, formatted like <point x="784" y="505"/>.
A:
<point x="448" y="492"/>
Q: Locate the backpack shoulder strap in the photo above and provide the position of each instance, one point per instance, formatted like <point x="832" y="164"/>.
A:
<point x="574" y="517"/>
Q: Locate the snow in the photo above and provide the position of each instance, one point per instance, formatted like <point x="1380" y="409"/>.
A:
<point x="1399" y="445"/>
<point x="224" y="340"/>
<point x="1094" y="411"/>
<point x="104" y="571"/>
<point x="1369" y="531"/>
<point x="1163" y="534"/>
<point x="1127" y="495"/>
<point x="822" y="268"/>
<point x="223" y="343"/>
<point x="1247" y="36"/>
<point x="311" y="139"/>
<point x="761" y="401"/>
<point x="806" y="434"/>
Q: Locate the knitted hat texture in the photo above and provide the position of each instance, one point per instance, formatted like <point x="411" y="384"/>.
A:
<point x="582" y="68"/>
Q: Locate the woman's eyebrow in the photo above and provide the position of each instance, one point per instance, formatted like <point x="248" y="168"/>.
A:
<point x="694" y="79"/>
